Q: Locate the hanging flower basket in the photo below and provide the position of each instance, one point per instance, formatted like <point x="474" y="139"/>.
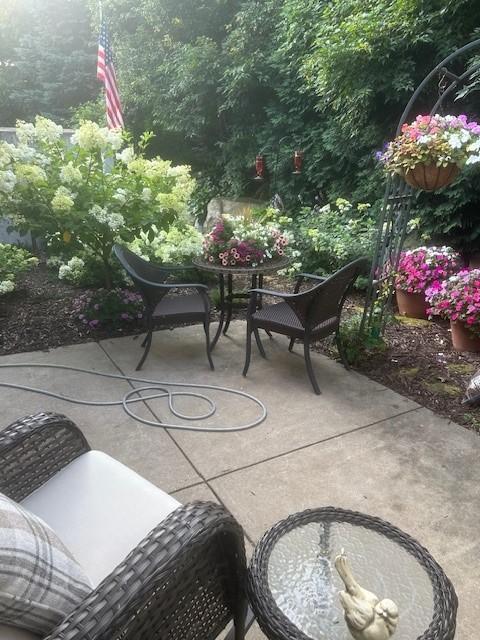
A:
<point x="430" y="151"/>
<point x="429" y="177"/>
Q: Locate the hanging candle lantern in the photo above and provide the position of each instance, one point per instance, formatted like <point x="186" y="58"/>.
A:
<point x="260" y="167"/>
<point x="297" y="162"/>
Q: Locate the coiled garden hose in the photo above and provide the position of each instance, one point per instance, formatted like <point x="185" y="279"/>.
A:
<point x="160" y="390"/>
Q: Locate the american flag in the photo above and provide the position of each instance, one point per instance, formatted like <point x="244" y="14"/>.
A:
<point x="106" y="73"/>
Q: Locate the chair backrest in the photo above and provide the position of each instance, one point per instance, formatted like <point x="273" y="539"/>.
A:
<point x="325" y="300"/>
<point x="137" y="267"/>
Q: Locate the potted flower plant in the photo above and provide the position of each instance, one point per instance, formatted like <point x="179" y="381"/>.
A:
<point x="417" y="270"/>
<point x="458" y="299"/>
<point x="236" y="242"/>
<point x="430" y="151"/>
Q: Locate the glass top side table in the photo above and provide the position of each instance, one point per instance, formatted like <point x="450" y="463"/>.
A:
<point x="293" y="583"/>
<point x="227" y="299"/>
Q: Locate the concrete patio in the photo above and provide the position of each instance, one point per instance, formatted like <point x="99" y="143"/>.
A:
<point x="359" y="445"/>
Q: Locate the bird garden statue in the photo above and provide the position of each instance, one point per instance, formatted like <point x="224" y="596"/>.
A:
<point x="367" y="617"/>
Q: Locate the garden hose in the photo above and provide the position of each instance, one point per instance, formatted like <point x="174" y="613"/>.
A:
<point x="160" y="390"/>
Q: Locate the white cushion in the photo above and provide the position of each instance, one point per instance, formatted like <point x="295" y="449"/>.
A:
<point x="100" y="509"/>
<point x="13" y="633"/>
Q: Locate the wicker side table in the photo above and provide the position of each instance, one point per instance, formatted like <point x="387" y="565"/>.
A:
<point x="293" y="585"/>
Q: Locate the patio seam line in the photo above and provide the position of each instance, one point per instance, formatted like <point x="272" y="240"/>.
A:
<point x="311" y="444"/>
<point x="197" y="471"/>
<point x="155" y="416"/>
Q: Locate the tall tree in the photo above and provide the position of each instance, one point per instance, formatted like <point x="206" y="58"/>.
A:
<point x="51" y="52"/>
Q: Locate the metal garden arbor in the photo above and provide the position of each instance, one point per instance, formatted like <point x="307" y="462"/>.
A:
<point x="394" y="217"/>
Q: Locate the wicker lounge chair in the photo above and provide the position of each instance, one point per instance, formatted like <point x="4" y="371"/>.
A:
<point x="162" y="305"/>
<point x="308" y="315"/>
<point x="159" y="569"/>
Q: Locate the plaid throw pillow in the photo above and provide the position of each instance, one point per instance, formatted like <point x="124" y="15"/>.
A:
<point x="40" y="581"/>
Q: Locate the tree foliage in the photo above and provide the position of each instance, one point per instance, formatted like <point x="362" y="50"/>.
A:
<point x="47" y="59"/>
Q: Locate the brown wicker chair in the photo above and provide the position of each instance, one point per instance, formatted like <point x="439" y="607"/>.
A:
<point x="308" y="315"/>
<point x="161" y="308"/>
<point x="184" y="581"/>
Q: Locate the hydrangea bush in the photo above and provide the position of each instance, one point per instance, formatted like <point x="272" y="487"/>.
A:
<point x="245" y="243"/>
<point x="13" y="260"/>
<point x="111" y="308"/>
<point x="457" y="299"/>
<point x="419" y="268"/>
<point x="93" y="189"/>
<point x="178" y="245"/>
<point x="438" y="140"/>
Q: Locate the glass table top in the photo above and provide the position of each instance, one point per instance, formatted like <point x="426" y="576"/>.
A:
<point x="305" y="584"/>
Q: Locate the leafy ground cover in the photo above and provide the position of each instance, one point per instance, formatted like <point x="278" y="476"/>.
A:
<point x="417" y="360"/>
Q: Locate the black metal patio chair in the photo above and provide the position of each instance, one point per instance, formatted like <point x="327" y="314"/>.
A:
<point x="163" y="306"/>
<point x="307" y="315"/>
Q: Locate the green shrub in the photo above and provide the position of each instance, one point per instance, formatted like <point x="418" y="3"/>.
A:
<point x="13" y="260"/>
<point x="326" y="238"/>
<point x="357" y="345"/>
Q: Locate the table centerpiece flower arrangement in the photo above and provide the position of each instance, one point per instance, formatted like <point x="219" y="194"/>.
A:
<point x="417" y="270"/>
<point x="458" y="299"/>
<point x="238" y="242"/>
<point x="430" y="151"/>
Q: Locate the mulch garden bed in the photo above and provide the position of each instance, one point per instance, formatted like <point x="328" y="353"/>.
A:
<point x="417" y="360"/>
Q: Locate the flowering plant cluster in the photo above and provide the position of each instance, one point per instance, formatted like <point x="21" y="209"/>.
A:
<point x="111" y="307"/>
<point x="92" y="189"/>
<point x="457" y="299"/>
<point x="245" y="243"/>
<point x="178" y="245"/>
<point x="438" y="140"/>
<point x="419" y="268"/>
<point x="13" y="260"/>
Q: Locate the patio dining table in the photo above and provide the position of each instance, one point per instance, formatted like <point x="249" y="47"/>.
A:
<point x="227" y="300"/>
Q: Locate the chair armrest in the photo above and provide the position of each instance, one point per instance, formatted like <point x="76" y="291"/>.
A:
<point x="164" y="285"/>
<point x="186" y="579"/>
<point x="275" y="294"/>
<point x="35" y="448"/>
<point x="302" y="276"/>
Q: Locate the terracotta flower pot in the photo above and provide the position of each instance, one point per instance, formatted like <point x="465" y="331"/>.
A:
<point x="412" y="305"/>
<point x="463" y="339"/>
<point x="429" y="177"/>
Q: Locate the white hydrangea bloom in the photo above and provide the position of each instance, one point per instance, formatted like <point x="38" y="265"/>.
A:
<point x="113" y="137"/>
<point x="63" y="200"/>
<point x="120" y="196"/>
<point x="113" y="220"/>
<point x="46" y="130"/>
<point x="8" y="181"/>
<point x="72" y="271"/>
<point x="25" y="132"/>
<point x="30" y="174"/>
<point x="69" y="174"/>
<point x="146" y="194"/>
<point x="6" y="286"/>
<point x="23" y="153"/>
<point x="127" y="155"/>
